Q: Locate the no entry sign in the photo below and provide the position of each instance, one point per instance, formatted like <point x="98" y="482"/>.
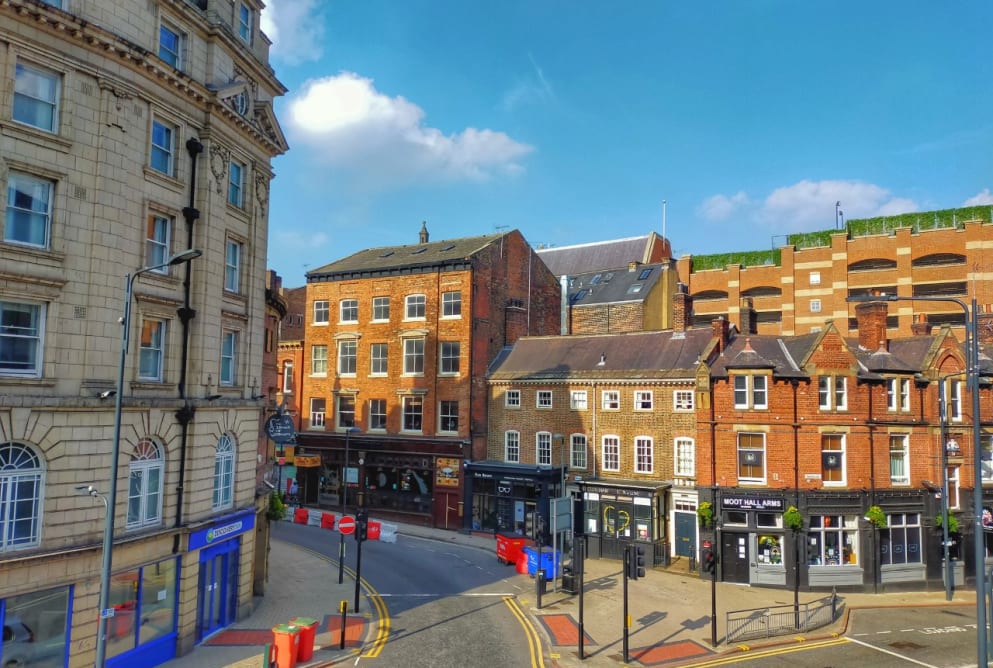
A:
<point x="346" y="525"/>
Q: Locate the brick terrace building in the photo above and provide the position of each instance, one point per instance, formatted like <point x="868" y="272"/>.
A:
<point x="807" y="286"/>
<point x="397" y="343"/>
<point x="613" y="415"/>
<point x="833" y="427"/>
<point x="131" y="131"/>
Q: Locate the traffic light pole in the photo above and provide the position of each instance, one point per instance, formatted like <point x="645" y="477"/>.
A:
<point x="580" y="562"/>
<point x="361" y="525"/>
<point x="627" y="622"/>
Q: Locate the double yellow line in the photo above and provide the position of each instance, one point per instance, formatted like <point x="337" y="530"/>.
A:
<point x="534" y="641"/>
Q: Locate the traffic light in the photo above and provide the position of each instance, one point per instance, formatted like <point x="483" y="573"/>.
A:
<point x="361" y="525"/>
<point x="708" y="561"/>
<point x="636" y="562"/>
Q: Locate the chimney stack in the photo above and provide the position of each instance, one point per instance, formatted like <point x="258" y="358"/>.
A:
<point x="920" y="326"/>
<point x="682" y="309"/>
<point x="747" y="316"/>
<point x="871" y="319"/>
<point x="720" y="329"/>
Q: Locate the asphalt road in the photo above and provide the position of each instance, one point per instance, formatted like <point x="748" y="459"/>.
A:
<point x="447" y="605"/>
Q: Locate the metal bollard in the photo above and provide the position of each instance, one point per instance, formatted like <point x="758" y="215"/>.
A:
<point x="539" y="582"/>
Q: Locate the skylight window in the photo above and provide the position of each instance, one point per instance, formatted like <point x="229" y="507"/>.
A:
<point x="635" y="288"/>
<point x="595" y="279"/>
<point x="645" y="273"/>
<point x="418" y="251"/>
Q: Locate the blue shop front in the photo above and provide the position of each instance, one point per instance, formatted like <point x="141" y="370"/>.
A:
<point x="220" y="555"/>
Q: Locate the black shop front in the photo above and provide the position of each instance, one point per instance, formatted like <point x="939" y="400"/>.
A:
<point x="511" y="499"/>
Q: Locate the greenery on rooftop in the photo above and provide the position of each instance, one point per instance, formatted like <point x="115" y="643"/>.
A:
<point x="860" y="227"/>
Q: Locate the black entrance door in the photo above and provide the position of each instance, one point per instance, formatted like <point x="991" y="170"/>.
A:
<point x="734" y="557"/>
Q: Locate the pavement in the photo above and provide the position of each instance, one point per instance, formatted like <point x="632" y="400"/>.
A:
<point x="670" y="612"/>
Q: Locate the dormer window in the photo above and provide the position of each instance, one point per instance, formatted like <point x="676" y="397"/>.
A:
<point x="240" y="103"/>
<point x="751" y="392"/>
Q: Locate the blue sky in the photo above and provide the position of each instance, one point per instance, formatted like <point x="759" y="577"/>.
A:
<point x="573" y="120"/>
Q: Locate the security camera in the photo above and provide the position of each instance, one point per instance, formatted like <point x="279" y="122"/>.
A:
<point x="107" y="394"/>
<point x="268" y="484"/>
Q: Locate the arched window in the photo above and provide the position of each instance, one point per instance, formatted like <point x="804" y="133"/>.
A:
<point x="224" y="473"/>
<point x="20" y="497"/>
<point x="145" y="486"/>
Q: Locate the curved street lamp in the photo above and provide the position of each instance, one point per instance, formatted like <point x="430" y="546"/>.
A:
<point x="111" y="499"/>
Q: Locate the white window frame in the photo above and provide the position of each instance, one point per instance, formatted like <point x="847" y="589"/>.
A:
<point x="577" y="451"/>
<point x="173" y="56"/>
<point x="416" y="304"/>
<point x="449" y="358"/>
<point x="898" y="394"/>
<point x="22" y="486"/>
<point x="451" y="305"/>
<point x="246" y="21"/>
<point x="287" y="377"/>
<point x="379" y="305"/>
<point x="610" y="400"/>
<point x="684" y="457"/>
<point x="742" y="452"/>
<point x="28" y="97"/>
<point x="379" y="359"/>
<point x="408" y="404"/>
<point x="236" y="184"/>
<point x="815" y="305"/>
<point x="610" y="448"/>
<point x="954" y="479"/>
<point x="224" y="459"/>
<point x="146" y="470"/>
<point x="834" y="459"/>
<point x="348" y="357"/>
<point x="832" y="393"/>
<point x="158" y="242"/>
<point x="644" y="454"/>
<point x="318" y="413"/>
<point x="229" y="358"/>
<point x="377" y="414"/>
<point x="954" y="406"/>
<point x="413" y="356"/>
<point x="543" y="399"/>
<point x="899" y="528"/>
<point x="151" y="352"/>
<point x="815" y="278"/>
<point x="345" y="411"/>
<point x="512" y="399"/>
<point x="14" y="331"/>
<point x="577" y="400"/>
<point x="844" y="534"/>
<point x="446" y="416"/>
<point x="232" y="266"/>
<point x="903" y="452"/>
<point x="39" y="191"/>
<point x="986" y="457"/>
<point x="321" y="312"/>
<point x="319" y="360"/>
<point x="512" y="447"/>
<point x="348" y="311"/>
<point x="644" y="400"/>
<point x="543" y="448"/>
<point x="751" y="392"/>
<point x="166" y="149"/>
<point x="683" y="400"/>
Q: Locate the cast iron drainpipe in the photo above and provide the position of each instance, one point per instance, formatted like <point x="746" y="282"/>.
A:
<point x="186" y="313"/>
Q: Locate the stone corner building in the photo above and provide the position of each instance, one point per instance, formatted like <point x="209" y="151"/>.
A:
<point x="129" y="132"/>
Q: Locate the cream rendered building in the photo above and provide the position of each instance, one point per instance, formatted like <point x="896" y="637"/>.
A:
<point x="131" y="130"/>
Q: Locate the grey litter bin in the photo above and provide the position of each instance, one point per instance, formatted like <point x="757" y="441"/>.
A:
<point x="569" y="584"/>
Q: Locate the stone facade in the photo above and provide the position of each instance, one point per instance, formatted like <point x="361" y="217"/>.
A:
<point x="130" y="148"/>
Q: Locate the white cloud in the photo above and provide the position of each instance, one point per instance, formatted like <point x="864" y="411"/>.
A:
<point x="295" y="28"/>
<point x="979" y="199"/>
<point x="722" y="207"/>
<point x="382" y="141"/>
<point x="808" y="205"/>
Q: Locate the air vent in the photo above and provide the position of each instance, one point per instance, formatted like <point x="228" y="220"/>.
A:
<point x="86" y="88"/>
<point x="78" y="192"/>
<point x="79" y="312"/>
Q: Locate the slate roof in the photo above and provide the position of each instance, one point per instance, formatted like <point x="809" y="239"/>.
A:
<point x="636" y="356"/>
<point x="903" y="355"/>
<point x="764" y="352"/>
<point x="387" y="258"/>
<point x="611" y="287"/>
<point x="596" y="256"/>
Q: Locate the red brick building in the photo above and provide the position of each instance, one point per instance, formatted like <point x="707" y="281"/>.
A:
<point x="397" y="343"/>
<point x="835" y="427"/>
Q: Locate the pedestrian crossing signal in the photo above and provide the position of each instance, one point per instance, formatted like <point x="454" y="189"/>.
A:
<point x="635" y="562"/>
<point x="709" y="561"/>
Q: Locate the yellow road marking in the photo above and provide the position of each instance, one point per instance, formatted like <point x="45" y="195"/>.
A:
<point x="534" y="641"/>
<point x="734" y="658"/>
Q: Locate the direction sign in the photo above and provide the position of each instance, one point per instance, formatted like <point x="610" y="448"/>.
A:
<point x="346" y="524"/>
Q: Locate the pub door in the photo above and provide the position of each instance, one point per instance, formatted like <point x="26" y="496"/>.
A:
<point x="734" y="557"/>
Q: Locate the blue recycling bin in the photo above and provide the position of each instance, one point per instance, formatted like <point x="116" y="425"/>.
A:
<point x="547" y="560"/>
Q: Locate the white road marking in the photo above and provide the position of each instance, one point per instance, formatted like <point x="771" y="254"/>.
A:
<point x="886" y="651"/>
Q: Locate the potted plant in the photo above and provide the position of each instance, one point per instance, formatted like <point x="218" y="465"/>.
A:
<point x="792" y="519"/>
<point x="705" y="512"/>
<point x="876" y="517"/>
<point x="953" y="523"/>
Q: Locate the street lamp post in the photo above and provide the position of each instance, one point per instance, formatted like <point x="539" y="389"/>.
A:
<point x="972" y="379"/>
<point x="108" y="530"/>
<point x="344" y="509"/>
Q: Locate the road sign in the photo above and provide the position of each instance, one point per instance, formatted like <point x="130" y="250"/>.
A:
<point x="346" y="524"/>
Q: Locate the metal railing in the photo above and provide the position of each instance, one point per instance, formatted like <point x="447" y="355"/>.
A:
<point x="780" y="619"/>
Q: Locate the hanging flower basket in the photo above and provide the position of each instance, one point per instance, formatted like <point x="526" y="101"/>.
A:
<point x="953" y="523"/>
<point x="705" y="513"/>
<point x="792" y="519"/>
<point x="876" y="517"/>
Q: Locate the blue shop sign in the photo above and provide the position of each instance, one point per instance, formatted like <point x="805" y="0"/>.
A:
<point x="227" y="527"/>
